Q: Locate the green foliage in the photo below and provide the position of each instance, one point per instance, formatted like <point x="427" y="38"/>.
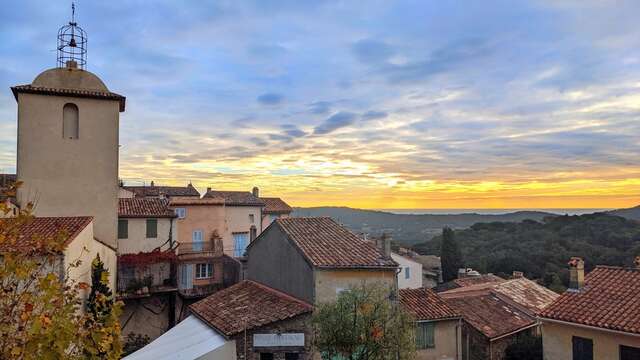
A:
<point x="542" y="249"/>
<point x="135" y="342"/>
<point x="41" y="313"/>
<point x="450" y="255"/>
<point x="364" y="324"/>
<point x="526" y="347"/>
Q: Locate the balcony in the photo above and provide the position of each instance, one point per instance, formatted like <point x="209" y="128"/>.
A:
<point x="139" y="277"/>
<point x="197" y="250"/>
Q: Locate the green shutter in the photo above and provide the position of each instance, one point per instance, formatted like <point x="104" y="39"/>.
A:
<point x="425" y="335"/>
<point x="123" y="229"/>
<point x="152" y="228"/>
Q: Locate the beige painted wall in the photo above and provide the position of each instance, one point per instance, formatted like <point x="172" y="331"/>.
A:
<point x="237" y="220"/>
<point x="70" y="177"/>
<point x="447" y="342"/>
<point x="137" y="240"/>
<point x="85" y="248"/>
<point x="415" y="272"/>
<point x="200" y="217"/>
<point x="556" y="341"/>
<point x="328" y="283"/>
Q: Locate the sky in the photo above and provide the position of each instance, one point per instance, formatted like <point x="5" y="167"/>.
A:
<point x="370" y="104"/>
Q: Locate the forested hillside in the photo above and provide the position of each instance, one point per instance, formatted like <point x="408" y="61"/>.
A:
<point x="405" y="228"/>
<point x="542" y="249"/>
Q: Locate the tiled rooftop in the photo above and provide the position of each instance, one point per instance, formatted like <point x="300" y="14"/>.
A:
<point x="83" y="93"/>
<point x="275" y="206"/>
<point x="425" y="304"/>
<point x="143" y="208"/>
<point x="247" y="304"/>
<point x="326" y="244"/>
<point x="154" y="191"/>
<point x="39" y="228"/>
<point x="489" y="314"/>
<point x="610" y="299"/>
<point x="239" y="198"/>
<point x="468" y="281"/>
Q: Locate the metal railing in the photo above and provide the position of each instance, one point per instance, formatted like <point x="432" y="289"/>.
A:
<point x="195" y="247"/>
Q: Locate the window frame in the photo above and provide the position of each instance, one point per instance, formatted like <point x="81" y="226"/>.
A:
<point x="407" y="273"/>
<point x="581" y="356"/>
<point x="252" y="218"/>
<point x="126" y="229"/>
<point x="429" y="338"/>
<point x="151" y="232"/>
<point x="65" y="128"/>
<point x="208" y="271"/>
<point x="180" y="212"/>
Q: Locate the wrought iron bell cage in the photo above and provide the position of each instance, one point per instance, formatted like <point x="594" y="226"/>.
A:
<point x="72" y="45"/>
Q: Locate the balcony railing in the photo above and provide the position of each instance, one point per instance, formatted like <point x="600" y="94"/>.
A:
<point x="143" y="280"/>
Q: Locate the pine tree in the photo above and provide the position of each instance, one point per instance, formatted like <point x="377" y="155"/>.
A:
<point x="99" y="285"/>
<point x="450" y="255"/>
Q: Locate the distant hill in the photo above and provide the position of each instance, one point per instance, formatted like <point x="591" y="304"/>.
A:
<point x="631" y="213"/>
<point x="407" y="228"/>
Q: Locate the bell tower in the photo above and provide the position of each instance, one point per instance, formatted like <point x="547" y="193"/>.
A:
<point x="67" y="156"/>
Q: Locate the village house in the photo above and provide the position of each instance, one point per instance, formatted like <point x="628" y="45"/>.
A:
<point x="243" y="218"/>
<point x="147" y="237"/>
<point x="78" y="242"/>
<point x="438" y="326"/>
<point x="274" y="208"/>
<point x="314" y="259"/>
<point x="496" y="313"/>
<point x="598" y="317"/>
<point x="154" y="191"/>
<point x="203" y="266"/>
<point x="410" y="275"/>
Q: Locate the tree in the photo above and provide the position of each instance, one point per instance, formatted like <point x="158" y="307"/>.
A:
<point x="364" y="324"/>
<point x="103" y="315"/>
<point x="450" y="255"/>
<point x="41" y="313"/>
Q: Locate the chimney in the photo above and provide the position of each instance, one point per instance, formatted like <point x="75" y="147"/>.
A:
<point x="517" y="274"/>
<point x="636" y="262"/>
<point x="576" y="273"/>
<point x="152" y="184"/>
<point x="256" y="191"/>
<point x="208" y="189"/>
<point x="386" y="244"/>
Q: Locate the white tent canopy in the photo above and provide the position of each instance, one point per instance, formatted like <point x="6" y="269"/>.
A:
<point x="188" y="340"/>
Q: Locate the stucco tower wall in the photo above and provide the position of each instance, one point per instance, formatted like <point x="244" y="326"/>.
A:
<point x="70" y="177"/>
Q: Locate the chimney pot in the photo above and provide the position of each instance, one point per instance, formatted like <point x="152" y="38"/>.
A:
<point x="386" y="244"/>
<point x="208" y="189"/>
<point x="152" y="184"/>
<point x="517" y="274"/>
<point x="576" y="273"/>
<point x="255" y="191"/>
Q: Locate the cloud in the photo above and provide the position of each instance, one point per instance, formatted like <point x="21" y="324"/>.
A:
<point x="270" y="99"/>
<point x="372" y="51"/>
<point x="373" y="115"/>
<point x="335" y="122"/>
<point x="293" y="131"/>
<point x="319" y="107"/>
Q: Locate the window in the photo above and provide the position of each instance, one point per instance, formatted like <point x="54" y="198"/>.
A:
<point x="152" y="228"/>
<point x="407" y="272"/>
<point x="629" y="353"/>
<point x="252" y="233"/>
<point x="266" y="356"/>
<point x="70" y="121"/>
<point x="196" y="240"/>
<point x="204" y="271"/>
<point x="424" y="335"/>
<point x="251" y="218"/>
<point x="123" y="229"/>
<point x="181" y="213"/>
<point x="582" y="348"/>
<point x="240" y="243"/>
<point x="291" y="356"/>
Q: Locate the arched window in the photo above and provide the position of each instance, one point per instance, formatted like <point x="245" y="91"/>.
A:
<point x="70" y="121"/>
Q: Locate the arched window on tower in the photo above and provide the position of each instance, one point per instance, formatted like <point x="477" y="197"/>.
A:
<point x="70" y="121"/>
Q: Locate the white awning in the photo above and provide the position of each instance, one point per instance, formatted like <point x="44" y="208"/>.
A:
<point x="188" y="340"/>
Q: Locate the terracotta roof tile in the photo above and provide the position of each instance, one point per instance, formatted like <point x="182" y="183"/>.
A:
<point x="468" y="281"/>
<point x="143" y="208"/>
<point x="195" y="201"/>
<point x="489" y="314"/>
<point x="38" y="228"/>
<point x="610" y="299"/>
<point x="154" y="191"/>
<point x="249" y="304"/>
<point x="83" y="93"/>
<point x="239" y="198"/>
<point x="425" y="304"/>
<point x="275" y="206"/>
<point x="327" y="244"/>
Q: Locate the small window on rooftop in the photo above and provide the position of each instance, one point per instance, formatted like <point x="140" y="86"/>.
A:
<point x="70" y="121"/>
